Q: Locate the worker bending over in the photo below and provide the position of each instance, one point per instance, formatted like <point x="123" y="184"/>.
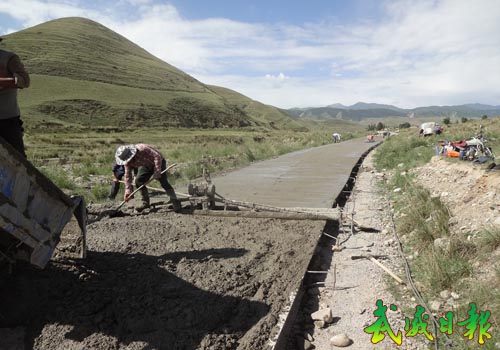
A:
<point x="149" y="162"/>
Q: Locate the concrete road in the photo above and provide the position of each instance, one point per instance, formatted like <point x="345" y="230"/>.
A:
<point x="309" y="178"/>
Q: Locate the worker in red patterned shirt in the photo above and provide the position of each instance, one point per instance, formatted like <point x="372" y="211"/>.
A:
<point x="149" y="162"/>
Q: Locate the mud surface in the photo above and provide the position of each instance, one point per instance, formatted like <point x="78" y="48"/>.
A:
<point x="169" y="281"/>
<point x="164" y="281"/>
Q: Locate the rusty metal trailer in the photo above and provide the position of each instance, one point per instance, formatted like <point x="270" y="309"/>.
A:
<point x="33" y="211"/>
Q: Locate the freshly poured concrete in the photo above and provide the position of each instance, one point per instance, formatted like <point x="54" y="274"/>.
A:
<point x="309" y="178"/>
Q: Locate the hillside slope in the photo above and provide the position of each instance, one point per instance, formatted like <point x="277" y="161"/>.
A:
<point x="85" y="74"/>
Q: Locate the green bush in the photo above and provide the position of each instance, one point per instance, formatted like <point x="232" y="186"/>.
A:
<point x="99" y="192"/>
<point x="59" y="177"/>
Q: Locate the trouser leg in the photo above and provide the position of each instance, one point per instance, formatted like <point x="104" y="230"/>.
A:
<point x="169" y="190"/>
<point x="143" y="175"/>
<point x="12" y="131"/>
<point x="115" y="187"/>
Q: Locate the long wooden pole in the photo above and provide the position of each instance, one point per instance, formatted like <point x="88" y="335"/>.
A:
<point x="265" y="215"/>
<point x="379" y="264"/>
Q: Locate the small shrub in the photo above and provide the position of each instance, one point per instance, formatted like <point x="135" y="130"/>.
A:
<point x="440" y="270"/>
<point x="250" y="155"/>
<point x="99" y="192"/>
<point x="489" y="240"/>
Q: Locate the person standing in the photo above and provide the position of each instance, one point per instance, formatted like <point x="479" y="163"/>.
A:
<point x="13" y="76"/>
<point x="149" y="162"/>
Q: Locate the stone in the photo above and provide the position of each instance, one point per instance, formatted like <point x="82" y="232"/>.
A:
<point x="319" y="324"/>
<point x="451" y="302"/>
<point x="497" y="221"/>
<point x="455" y="295"/>
<point x="324" y="315"/>
<point x="445" y="294"/>
<point x="389" y="242"/>
<point x="453" y="221"/>
<point x="340" y="340"/>
<point x="435" y="305"/>
<point x="442" y="243"/>
<point x="396" y="190"/>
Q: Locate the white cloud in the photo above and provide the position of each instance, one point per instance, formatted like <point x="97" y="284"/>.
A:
<point x="418" y="53"/>
<point x="276" y="81"/>
<point x="33" y="12"/>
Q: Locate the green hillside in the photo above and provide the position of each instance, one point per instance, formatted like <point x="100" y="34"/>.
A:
<point x="84" y="74"/>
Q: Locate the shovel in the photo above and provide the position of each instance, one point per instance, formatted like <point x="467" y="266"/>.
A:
<point x="115" y="212"/>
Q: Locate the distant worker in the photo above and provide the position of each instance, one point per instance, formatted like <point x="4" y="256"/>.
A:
<point x="370" y="138"/>
<point x="13" y="76"/>
<point x="149" y="162"/>
<point x="336" y="137"/>
<point x="437" y="130"/>
<point x="118" y="173"/>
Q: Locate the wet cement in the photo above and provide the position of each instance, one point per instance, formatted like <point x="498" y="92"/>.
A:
<point x="308" y="178"/>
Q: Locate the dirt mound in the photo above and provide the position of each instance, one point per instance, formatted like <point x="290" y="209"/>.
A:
<point x="470" y="191"/>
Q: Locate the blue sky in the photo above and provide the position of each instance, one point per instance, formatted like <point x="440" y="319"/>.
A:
<point x="308" y="53"/>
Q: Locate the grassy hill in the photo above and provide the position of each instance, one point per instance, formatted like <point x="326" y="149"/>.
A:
<point x="85" y="75"/>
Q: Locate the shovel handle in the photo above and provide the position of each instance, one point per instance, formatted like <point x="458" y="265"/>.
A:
<point x="144" y="184"/>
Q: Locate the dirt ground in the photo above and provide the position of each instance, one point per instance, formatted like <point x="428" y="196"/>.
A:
<point x="174" y="281"/>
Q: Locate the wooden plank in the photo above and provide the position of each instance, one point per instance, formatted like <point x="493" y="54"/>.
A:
<point x="265" y="215"/>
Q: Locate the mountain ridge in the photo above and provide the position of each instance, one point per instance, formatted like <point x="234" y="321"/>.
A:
<point x="363" y="110"/>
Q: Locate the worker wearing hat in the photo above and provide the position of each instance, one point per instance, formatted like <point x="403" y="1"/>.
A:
<point x="149" y="162"/>
<point x="13" y="76"/>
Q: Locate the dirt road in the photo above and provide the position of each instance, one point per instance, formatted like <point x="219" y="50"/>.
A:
<point x="173" y="281"/>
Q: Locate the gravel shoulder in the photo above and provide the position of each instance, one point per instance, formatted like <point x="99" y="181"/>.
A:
<point x="352" y="286"/>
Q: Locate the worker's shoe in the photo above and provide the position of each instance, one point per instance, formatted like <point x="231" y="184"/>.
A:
<point x="144" y="205"/>
<point x="176" y="205"/>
